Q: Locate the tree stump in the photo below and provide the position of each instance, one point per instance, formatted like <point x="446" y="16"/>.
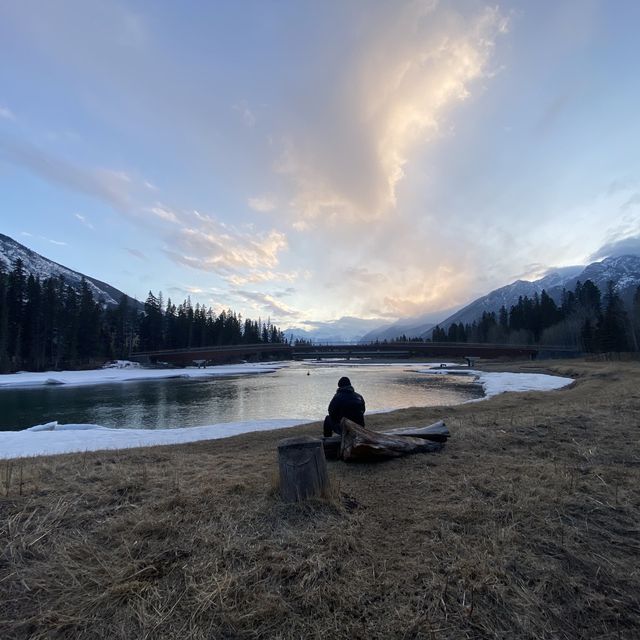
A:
<point x="303" y="469"/>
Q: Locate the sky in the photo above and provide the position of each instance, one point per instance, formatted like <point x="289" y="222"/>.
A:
<point x="307" y="161"/>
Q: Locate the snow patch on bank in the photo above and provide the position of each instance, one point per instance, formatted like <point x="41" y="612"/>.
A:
<point x="53" y="438"/>
<point x="121" y="364"/>
<point x="130" y="374"/>
<point x="496" y="382"/>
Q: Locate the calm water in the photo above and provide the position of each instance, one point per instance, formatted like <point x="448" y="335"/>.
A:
<point x="288" y="393"/>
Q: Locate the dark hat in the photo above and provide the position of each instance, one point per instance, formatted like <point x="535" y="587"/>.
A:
<point x="344" y="382"/>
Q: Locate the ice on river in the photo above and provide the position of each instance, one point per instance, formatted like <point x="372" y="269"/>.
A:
<point x="123" y="373"/>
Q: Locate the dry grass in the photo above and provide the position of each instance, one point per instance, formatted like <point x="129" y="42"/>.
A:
<point x="525" y="526"/>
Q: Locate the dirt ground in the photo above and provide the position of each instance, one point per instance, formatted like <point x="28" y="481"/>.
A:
<point x="526" y="525"/>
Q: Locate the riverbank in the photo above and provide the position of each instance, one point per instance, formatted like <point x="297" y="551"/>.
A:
<point x="526" y="525"/>
<point x="55" y="437"/>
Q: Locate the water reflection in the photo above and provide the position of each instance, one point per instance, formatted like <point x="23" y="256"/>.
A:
<point x="301" y="390"/>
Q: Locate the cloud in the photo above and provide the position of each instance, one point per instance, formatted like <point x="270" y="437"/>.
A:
<point x="59" y="243"/>
<point x="111" y="187"/>
<point x="188" y="290"/>
<point x="616" y="186"/>
<point x="553" y="113"/>
<point x="83" y="220"/>
<point x="632" y="202"/>
<point x="268" y="303"/>
<point x="414" y="63"/>
<point x="618" y="247"/>
<point x="136" y="253"/>
<point x="220" y="248"/>
<point x="116" y="188"/>
<point x="263" y="204"/>
<point x="362" y="275"/>
<point x="164" y="213"/>
<point x="257" y="276"/>
<point x="289" y="291"/>
<point x="6" y="113"/>
<point x="248" y="117"/>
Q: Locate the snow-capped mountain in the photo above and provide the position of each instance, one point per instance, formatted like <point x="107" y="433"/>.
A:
<point x="345" y="329"/>
<point x="623" y="271"/>
<point x="34" y="263"/>
<point x="412" y="327"/>
<point x="399" y="328"/>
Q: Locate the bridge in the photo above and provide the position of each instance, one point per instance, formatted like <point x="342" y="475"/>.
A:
<point x="276" y="351"/>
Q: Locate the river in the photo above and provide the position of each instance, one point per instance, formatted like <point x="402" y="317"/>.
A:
<point x="299" y="390"/>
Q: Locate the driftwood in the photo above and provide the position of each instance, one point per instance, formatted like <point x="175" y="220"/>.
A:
<point x="436" y="433"/>
<point x="360" y="444"/>
<point x="303" y="469"/>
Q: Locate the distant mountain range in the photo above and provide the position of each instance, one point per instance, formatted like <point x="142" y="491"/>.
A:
<point x="34" y="263"/>
<point x="410" y="327"/>
<point x="345" y="329"/>
<point x="623" y="271"/>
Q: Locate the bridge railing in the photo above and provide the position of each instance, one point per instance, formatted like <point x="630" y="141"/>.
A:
<point x="266" y="346"/>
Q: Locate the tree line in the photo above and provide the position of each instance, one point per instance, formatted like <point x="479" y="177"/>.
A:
<point x="48" y="324"/>
<point x="584" y="319"/>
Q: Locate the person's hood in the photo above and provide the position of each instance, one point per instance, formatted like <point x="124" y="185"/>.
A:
<point x="348" y="388"/>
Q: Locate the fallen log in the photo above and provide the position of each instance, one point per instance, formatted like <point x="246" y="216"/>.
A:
<point x="436" y="432"/>
<point x="361" y="445"/>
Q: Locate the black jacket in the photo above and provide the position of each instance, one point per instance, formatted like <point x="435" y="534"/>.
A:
<point x="346" y="403"/>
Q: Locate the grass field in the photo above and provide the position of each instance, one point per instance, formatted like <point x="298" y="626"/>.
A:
<point x="526" y="525"/>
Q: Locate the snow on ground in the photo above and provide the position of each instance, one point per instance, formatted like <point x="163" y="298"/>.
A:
<point x="53" y="438"/>
<point x="130" y="374"/>
<point x="121" y="364"/>
<point x="497" y="382"/>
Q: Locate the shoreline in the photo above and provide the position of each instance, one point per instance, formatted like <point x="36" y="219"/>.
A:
<point x="53" y="438"/>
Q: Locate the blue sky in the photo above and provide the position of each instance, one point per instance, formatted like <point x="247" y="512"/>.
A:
<point x="313" y="160"/>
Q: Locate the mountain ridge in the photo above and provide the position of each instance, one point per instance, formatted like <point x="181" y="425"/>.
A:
<point x="38" y="265"/>
<point x="623" y="271"/>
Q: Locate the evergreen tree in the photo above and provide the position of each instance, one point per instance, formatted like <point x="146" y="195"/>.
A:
<point x="32" y="348"/>
<point x="4" y="322"/>
<point x="612" y="328"/>
<point x="16" y="293"/>
<point x="588" y="296"/>
<point x="503" y="319"/>
<point x="635" y="317"/>
<point x="69" y="329"/>
<point x="151" y="324"/>
<point x="89" y="325"/>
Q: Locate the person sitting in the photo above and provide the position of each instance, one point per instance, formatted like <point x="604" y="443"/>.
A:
<point x="346" y="403"/>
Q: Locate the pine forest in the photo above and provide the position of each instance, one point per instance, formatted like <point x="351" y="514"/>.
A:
<point x="47" y="324"/>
